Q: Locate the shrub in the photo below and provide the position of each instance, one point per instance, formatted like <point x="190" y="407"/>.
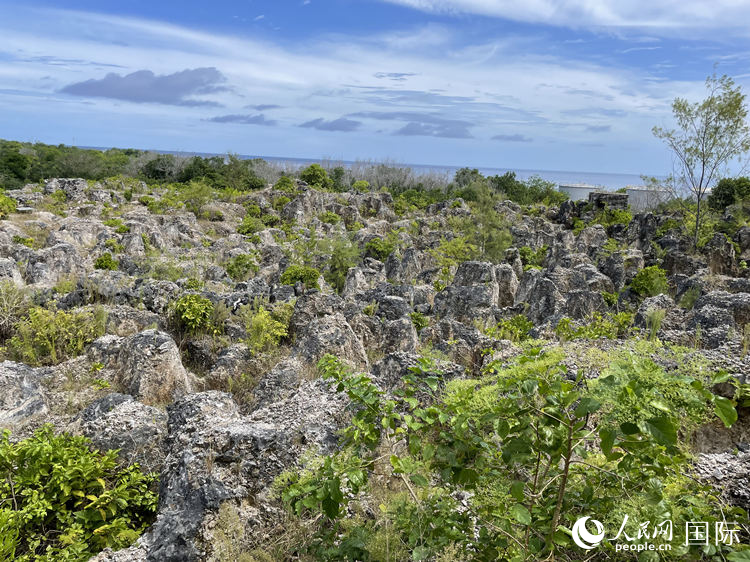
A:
<point x="280" y="202"/>
<point x="610" y="326"/>
<point x="69" y="501"/>
<point x="286" y="184"/>
<point x="419" y="320"/>
<point x="532" y="258"/>
<point x="28" y="242"/>
<point x="49" y="337"/>
<point x="728" y="192"/>
<point x="240" y="267"/>
<point x="344" y="255"/>
<point x="654" y="318"/>
<point x="515" y="329"/>
<point x="308" y="276"/>
<point x="106" y="261"/>
<point x="155" y="207"/>
<point x="687" y="301"/>
<point x="610" y="298"/>
<point x="253" y="210"/>
<point x="329" y="217"/>
<point x="361" y="186"/>
<point x="250" y="225"/>
<point x="114" y="246"/>
<point x="379" y="248"/>
<point x="650" y="281"/>
<point x="7" y="205"/>
<point x="118" y="225"/>
<point x="193" y="313"/>
<point x="265" y="329"/>
<point x="315" y="176"/>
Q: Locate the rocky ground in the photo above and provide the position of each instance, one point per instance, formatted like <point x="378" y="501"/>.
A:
<point x="219" y="422"/>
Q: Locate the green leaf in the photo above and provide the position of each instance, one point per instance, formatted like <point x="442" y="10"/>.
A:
<point x="662" y="429"/>
<point x="659" y="405"/>
<point x="419" y="480"/>
<point x="516" y="490"/>
<point x="330" y="507"/>
<point x="521" y="514"/>
<point x="629" y="428"/>
<point x="725" y="410"/>
<point x="607" y="437"/>
<point x="586" y="406"/>
<point x="741" y="556"/>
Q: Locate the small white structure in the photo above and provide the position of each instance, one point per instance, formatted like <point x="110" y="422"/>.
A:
<point x="641" y="197"/>
<point x="579" y="191"/>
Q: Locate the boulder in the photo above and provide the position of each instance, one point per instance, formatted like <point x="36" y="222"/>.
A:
<point x="118" y="421"/>
<point x="22" y="399"/>
<point x="400" y="335"/>
<point x="150" y="369"/>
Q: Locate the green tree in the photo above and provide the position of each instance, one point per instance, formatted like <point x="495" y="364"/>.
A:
<point x="728" y="192"/>
<point x="315" y="176"/>
<point x="709" y="135"/>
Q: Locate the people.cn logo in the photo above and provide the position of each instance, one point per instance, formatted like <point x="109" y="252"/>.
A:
<point x="583" y="538"/>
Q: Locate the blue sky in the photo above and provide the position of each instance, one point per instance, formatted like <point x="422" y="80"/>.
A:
<point x="540" y="84"/>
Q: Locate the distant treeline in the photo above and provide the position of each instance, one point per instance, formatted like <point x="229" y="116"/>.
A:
<point x="22" y="163"/>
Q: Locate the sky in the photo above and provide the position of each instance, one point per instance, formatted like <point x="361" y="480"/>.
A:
<point x="571" y="85"/>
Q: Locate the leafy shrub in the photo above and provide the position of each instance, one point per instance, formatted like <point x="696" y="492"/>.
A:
<point x="610" y="298"/>
<point x="250" y="225"/>
<point x="154" y="206"/>
<point x="240" y="267"/>
<point x="106" y="261"/>
<point x="361" y="186"/>
<point x="118" y="225"/>
<point x="114" y="246"/>
<point x="192" y="313"/>
<point x="515" y="329"/>
<point x="344" y="255"/>
<point x="609" y="217"/>
<point x="419" y="320"/>
<point x="7" y="205"/>
<point x="532" y="258"/>
<point x="315" y="176"/>
<point x="280" y="202"/>
<point x="610" y="326"/>
<point x="370" y="309"/>
<point x="728" y="192"/>
<point x="329" y="217"/>
<point x="265" y="329"/>
<point x="308" y="276"/>
<point x="69" y="502"/>
<point x="486" y="437"/>
<point x="379" y="248"/>
<point x="253" y="210"/>
<point x="28" y="242"/>
<point x="448" y="255"/>
<point x="49" y="337"/>
<point x="270" y="219"/>
<point x="286" y="184"/>
<point x="650" y="281"/>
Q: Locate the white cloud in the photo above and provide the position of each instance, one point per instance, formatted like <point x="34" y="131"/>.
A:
<point x="647" y="14"/>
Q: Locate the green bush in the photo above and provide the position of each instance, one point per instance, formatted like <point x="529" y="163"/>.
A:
<point x="329" y="217"/>
<point x="13" y="305"/>
<point x="500" y="467"/>
<point x="65" y="501"/>
<point x="308" y="276"/>
<point x="610" y="217"/>
<point x="532" y="258"/>
<point x="286" y="184"/>
<point x="315" y="176"/>
<point x="728" y="192"/>
<point x="250" y="225"/>
<point x="419" y="320"/>
<point x="515" y="329"/>
<point x="610" y="326"/>
<point x="113" y="246"/>
<point x="7" y="205"/>
<point x="379" y="248"/>
<point x="344" y="255"/>
<point x="106" y="261"/>
<point x="240" y="267"/>
<point x="192" y="313"/>
<point x="49" y="337"/>
<point x="28" y="242"/>
<point x="264" y="328"/>
<point x="280" y="202"/>
<point x="650" y="281"/>
<point x="118" y="225"/>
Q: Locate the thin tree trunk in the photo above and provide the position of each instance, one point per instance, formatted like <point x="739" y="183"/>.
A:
<point x="697" y="224"/>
